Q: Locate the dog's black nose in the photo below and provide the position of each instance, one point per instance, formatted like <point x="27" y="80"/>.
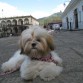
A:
<point x="33" y="44"/>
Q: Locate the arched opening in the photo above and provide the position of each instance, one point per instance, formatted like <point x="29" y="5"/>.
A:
<point x="20" y="23"/>
<point x="3" y="23"/>
<point x="8" y="22"/>
<point x="9" y="28"/>
<point x="14" y="24"/>
<point x="26" y="21"/>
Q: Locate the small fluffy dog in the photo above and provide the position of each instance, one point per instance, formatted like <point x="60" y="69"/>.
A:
<point x="36" y="56"/>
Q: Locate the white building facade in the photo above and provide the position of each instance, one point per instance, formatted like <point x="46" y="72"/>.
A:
<point x="15" y="25"/>
<point x="72" y="17"/>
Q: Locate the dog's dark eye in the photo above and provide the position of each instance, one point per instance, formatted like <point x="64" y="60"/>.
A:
<point x="38" y="40"/>
<point x="29" y="39"/>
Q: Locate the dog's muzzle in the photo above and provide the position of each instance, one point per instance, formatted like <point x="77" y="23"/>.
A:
<point x="33" y="45"/>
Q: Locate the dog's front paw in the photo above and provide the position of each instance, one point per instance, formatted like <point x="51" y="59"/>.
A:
<point x="28" y="74"/>
<point x="7" y="67"/>
<point x="50" y="72"/>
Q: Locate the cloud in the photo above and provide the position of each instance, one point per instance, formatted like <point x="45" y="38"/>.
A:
<point x="7" y="10"/>
<point x="40" y="14"/>
<point x="60" y="7"/>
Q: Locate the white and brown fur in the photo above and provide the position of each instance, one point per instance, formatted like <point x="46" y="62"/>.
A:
<point x="35" y="42"/>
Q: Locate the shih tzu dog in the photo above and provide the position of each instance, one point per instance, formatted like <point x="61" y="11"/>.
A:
<point x="36" y="56"/>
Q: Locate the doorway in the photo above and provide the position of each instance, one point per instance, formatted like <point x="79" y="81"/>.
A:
<point x="76" y="18"/>
<point x="67" y="20"/>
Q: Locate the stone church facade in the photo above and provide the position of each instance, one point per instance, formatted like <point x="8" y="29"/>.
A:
<point x="15" y="25"/>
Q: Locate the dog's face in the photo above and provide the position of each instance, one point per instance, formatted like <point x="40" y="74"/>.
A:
<point x="36" y="42"/>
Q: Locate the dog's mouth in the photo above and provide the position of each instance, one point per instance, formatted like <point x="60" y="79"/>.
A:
<point x="34" y="48"/>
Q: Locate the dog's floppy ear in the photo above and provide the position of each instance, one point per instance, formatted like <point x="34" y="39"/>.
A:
<point x="50" y="42"/>
<point x="22" y="51"/>
<point x="21" y="46"/>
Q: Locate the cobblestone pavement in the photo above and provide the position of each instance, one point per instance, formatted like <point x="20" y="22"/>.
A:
<point x="69" y="46"/>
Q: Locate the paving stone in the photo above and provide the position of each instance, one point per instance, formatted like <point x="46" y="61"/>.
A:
<point x="69" y="46"/>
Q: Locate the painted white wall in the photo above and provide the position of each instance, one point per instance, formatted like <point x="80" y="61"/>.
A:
<point x="70" y="16"/>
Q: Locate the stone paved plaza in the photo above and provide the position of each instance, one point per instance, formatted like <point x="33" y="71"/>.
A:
<point x="69" y="46"/>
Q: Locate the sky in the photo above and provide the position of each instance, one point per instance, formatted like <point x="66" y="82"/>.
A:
<point x="36" y="8"/>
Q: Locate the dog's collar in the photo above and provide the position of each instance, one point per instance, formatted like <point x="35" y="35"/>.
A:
<point x="46" y="59"/>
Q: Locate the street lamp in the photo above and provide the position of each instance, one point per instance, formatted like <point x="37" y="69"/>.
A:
<point x="65" y="2"/>
<point x="2" y="13"/>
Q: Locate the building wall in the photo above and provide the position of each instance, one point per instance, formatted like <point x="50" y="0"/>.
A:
<point x="71" y="19"/>
<point x="15" y="25"/>
<point x="35" y="22"/>
<point x="80" y="10"/>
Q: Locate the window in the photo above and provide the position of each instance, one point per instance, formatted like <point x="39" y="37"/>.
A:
<point x="82" y="7"/>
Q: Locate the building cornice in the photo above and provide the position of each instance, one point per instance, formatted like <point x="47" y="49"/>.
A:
<point x="70" y="6"/>
<point x="19" y="17"/>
